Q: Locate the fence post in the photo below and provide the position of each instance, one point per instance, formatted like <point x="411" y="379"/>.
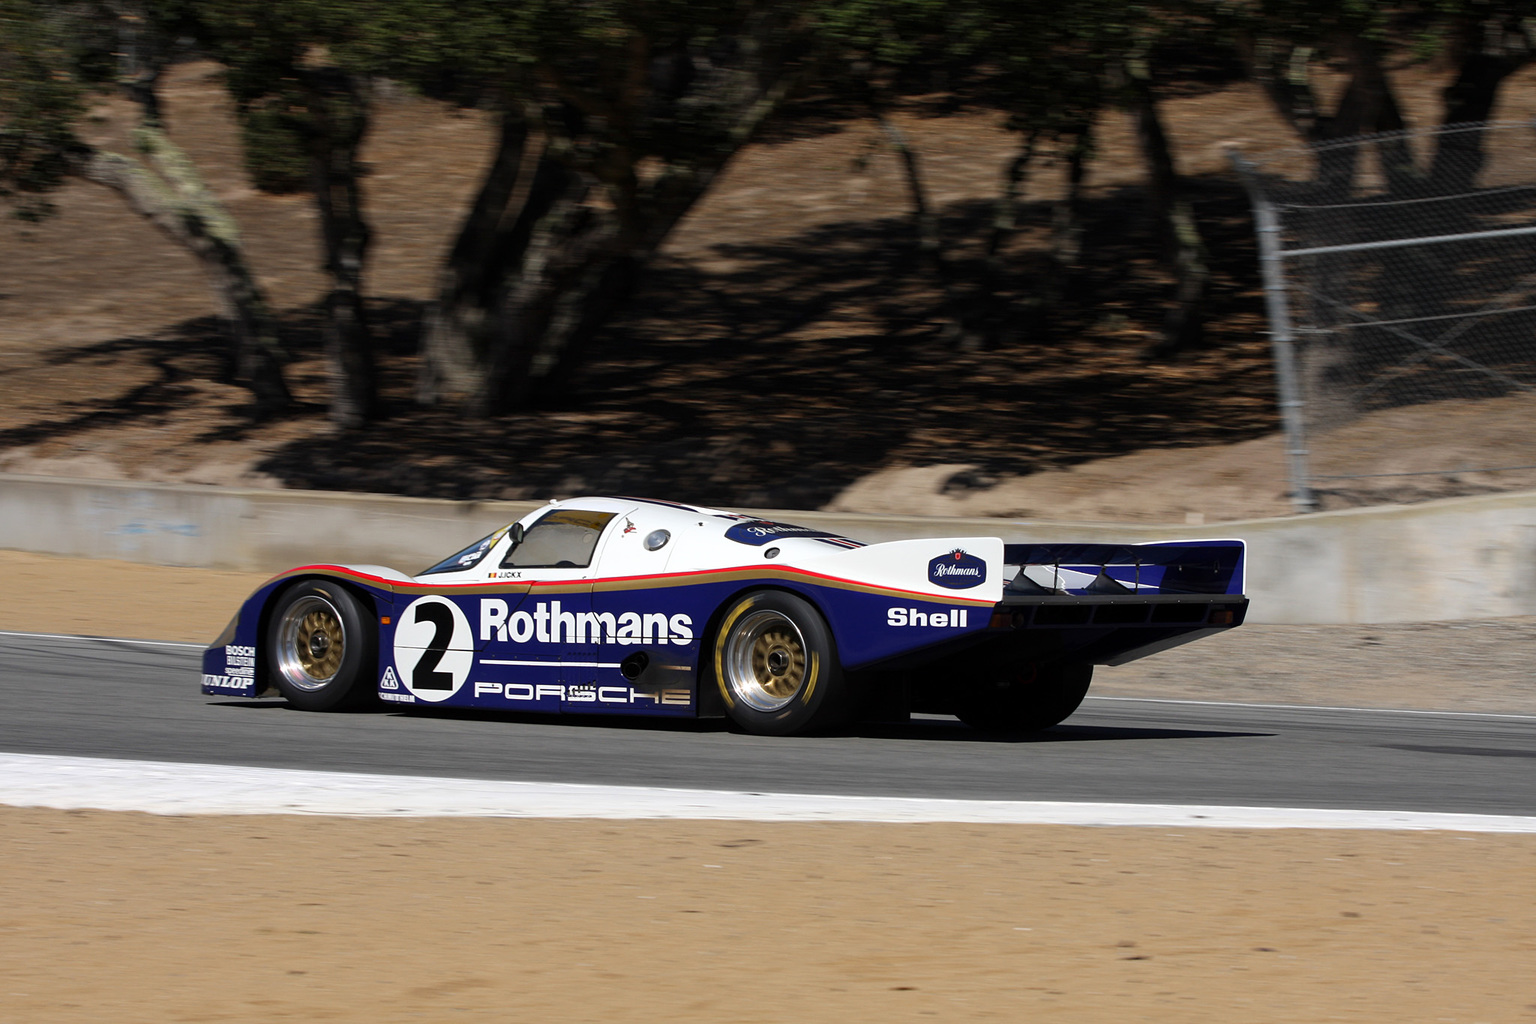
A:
<point x="1282" y="342"/>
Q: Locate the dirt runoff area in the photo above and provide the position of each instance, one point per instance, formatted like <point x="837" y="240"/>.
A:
<point x="130" y="918"/>
<point x="136" y="917"/>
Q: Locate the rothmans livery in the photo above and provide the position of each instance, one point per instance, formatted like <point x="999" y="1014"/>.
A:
<point x="639" y="607"/>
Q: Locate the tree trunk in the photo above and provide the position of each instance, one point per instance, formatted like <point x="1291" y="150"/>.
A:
<point x="930" y="242"/>
<point x="256" y="358"/>
<point x="578" y="315"/>
<point x="1283" y="71"/>
<point x="341" y="122"/>
<point x="177" y="202"/>
<point x="1367" y="105"/>
<point x="455" y="333"/>
<point x="612" y="253"/>
<point x="524" y="267"/>
<point x="1492" y="50"/>
<point x="999" y="318"/>
<point x="1181" y="235"/>
<point x="563" y="242"/>
<point x="1005" y="212"/>
<point x="565" y="265"/>
<point x="1067" y="212"/>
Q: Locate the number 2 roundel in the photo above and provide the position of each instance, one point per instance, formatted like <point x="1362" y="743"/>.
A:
<point x="434" y="648"/>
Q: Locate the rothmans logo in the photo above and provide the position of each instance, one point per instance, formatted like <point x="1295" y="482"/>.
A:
<point x="957" y="570"/>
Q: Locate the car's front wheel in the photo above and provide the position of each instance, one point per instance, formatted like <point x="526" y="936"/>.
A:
<point x="776" y="666"/>
<point x="319" y="647"/>
<point x="1027" y="701"/>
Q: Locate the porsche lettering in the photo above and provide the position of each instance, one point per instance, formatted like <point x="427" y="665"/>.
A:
<point x="580" y="693"/>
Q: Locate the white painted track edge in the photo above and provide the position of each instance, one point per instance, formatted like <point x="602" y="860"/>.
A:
<point x="73" y="783"/>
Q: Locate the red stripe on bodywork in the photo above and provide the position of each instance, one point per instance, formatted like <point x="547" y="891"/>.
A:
<point x="754" y="570"/>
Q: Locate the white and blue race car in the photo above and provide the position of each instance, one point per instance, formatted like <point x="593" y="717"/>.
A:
<point x="629" y="606"/>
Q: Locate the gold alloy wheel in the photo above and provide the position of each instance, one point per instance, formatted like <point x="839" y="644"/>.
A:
<point x="311" y="643"/>
<point x="765" y="660"/>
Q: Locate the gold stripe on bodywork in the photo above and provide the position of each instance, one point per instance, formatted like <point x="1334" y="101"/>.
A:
<point x="754" y="574"/>
<point x="745" y="574"/>
<point x="400" y="586"/>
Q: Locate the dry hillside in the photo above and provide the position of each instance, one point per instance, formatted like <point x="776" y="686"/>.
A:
<point x="783" y="352"/>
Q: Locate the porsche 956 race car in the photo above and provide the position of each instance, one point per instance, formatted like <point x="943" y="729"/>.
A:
<point x="628" y="606"/>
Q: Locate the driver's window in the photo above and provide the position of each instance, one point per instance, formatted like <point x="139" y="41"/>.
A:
<point x="563" y="539"/>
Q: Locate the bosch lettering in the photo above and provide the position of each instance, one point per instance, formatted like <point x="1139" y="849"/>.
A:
<point x="240" y="661"/>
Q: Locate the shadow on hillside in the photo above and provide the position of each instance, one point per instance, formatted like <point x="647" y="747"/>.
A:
<point x="182" y="358"/>
<point x="789" y="370"/>
<point x="770" y="374"/>
<point x="188" y="352"/>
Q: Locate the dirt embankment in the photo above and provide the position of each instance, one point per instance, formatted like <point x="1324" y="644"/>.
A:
<point x="785" y="347"/>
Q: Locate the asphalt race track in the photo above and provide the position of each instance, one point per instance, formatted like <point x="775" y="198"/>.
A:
<point x="133" y="700"/>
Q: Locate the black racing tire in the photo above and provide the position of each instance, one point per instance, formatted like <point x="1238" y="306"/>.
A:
<point x="321" y="647"/>
<point x="776" y="665"/>
<point x="1027" y="701"/>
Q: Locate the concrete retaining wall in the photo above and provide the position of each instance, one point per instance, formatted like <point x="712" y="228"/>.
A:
<point x="1459" y="558"/>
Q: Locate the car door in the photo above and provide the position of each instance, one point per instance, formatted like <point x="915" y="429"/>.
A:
<point x="547" y="647"/>
<point x="649" y="642"/>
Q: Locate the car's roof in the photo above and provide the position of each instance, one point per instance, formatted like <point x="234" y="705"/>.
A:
<point x="672" y="514"/>
<point x="619" y="504"/>
<point x="667" y="509"/>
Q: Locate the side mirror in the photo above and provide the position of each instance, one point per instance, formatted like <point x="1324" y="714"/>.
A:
<point x="517" y="532"/>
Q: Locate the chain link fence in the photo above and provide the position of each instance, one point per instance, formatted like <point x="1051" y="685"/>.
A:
<point x="1400" y="277"/>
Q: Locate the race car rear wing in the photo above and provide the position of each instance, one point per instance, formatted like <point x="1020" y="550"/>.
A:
<point x="1115" y="603"/>
<point x="1160" y="568"/>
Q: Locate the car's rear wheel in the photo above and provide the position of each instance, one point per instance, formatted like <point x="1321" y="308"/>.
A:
<point x="1026" y="701"/>
<point x="320" y="645"/>
<point x="776" y="666"/>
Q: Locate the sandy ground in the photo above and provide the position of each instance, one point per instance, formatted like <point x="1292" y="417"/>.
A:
<point x="143" y="918"/>
<point x="139" y="918"/>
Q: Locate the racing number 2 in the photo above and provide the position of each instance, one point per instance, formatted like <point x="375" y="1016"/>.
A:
<point x="426" y="675"/>
<point x="434" y="648"/>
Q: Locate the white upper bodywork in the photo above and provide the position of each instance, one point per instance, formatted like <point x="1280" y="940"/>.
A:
<point x="697" y="542"/>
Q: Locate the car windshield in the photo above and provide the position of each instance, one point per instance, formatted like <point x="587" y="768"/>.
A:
<point x="469" y="557"/>
<point x="563" y="539"/>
